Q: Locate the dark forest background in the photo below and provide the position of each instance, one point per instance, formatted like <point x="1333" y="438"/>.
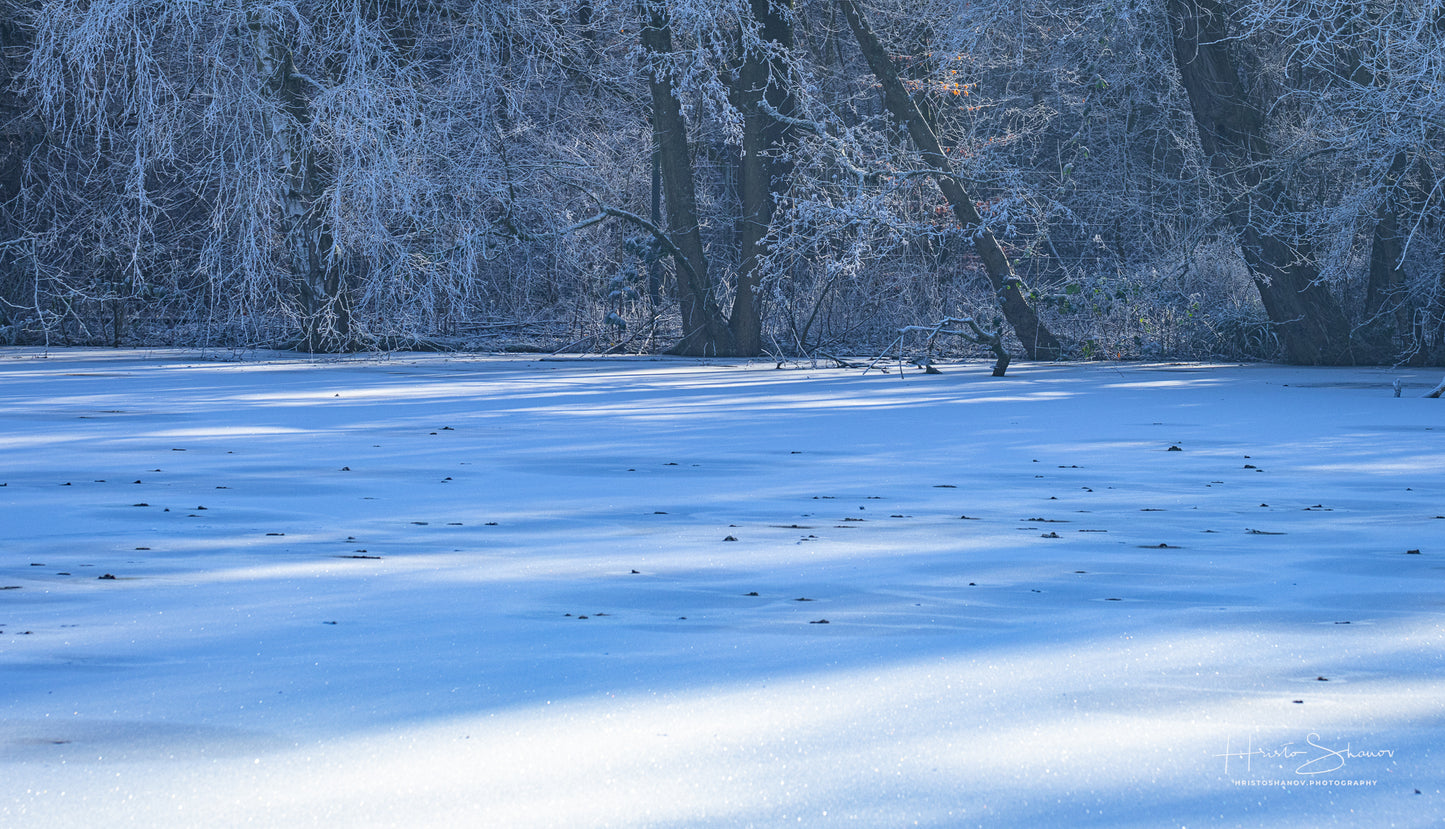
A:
<point x="789" y="178"/>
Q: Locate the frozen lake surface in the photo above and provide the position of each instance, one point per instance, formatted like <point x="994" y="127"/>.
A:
<point x="451" y="591"/>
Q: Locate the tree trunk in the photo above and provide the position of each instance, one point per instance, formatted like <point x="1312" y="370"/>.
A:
<point x="19" y="135"/>
<point x="1310" y="323"/>
<point x="762" y="83"/>
<point x="1385" y="304"/>
<point x="325" y="306"/>
<point x="1038" y="342"/>
<point x="704" y="330"/>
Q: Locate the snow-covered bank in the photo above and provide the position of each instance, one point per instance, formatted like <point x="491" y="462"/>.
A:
<point x="353" y="593"/>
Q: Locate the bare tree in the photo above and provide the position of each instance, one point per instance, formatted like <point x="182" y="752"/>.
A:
<point x="1039" y="343"/>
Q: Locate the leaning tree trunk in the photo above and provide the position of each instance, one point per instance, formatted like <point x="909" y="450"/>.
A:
<point x="1311" y="325"/>
<point x="762" y="85"/>
<point x="705" y="331"/>
<point x="325" y="306"/>
<point x="1038" y="342"/>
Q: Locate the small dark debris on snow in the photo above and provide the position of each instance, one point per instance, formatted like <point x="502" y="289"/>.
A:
<point x="1342" y="623"/>
<point x="178" y="450"/>
<point x="1321" y="679"/>
<point x="1160" y="546"/>
<point x="276" y="534"/>
<point x="968" y="517"/>
<point x="142" y="504"/>
<point x="1298" y="701"/>
<point x="581" y="617"/>
<point x="10" y="587"/>
<point x="820" y="622"/>
<point x="1412" y="552"/>
<point x="106" y="577"/>
<point x="658" y="512"/>
<point x="37" y="564"/>
<point x="1113" y="600"/>
<point x="448" y="429"/>
<point x="752" y="593"/>
<point x="636" y="573"/>
<point x="1174" y="448"/>
<point x="491" y="524"/>
<point x="802" y="599"/>
<point x="328" y="623"/>
<point x="944" y="486"/>
<point x="1262" y="532"/>
<point x="373" y="558"/>
<point x="1049" y="535"/>
<point x="730" y="538"/>
<point x="420" y="523"/>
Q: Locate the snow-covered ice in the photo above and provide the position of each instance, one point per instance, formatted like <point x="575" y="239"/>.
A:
<point x="464" y="591"/>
